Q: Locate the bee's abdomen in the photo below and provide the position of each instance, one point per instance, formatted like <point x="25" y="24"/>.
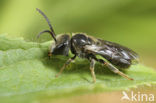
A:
<point x="122" y="63"/>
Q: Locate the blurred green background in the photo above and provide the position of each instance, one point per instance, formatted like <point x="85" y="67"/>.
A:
<point x="129" y="22"/>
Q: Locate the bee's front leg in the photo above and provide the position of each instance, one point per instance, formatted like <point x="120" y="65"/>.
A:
<point x="65" y="65"/>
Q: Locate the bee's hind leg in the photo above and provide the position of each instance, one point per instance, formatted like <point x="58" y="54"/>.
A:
<point x="113" y="68"/>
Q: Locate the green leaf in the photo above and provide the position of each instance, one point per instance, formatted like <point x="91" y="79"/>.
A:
<point x="27" y="75"/>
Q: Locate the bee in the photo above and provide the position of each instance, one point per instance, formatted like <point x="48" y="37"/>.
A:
<point x="87" y="47"/>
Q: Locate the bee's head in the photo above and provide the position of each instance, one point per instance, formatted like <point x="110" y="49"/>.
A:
<point x="61" y="45"/>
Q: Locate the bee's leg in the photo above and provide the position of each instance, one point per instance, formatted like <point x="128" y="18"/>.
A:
<point x="65" y="65"/>
<point x="92" y="65"/>
<point x="113" y="68"/>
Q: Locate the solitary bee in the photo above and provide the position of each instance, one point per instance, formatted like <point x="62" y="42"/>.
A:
<point x="88" y="47"/>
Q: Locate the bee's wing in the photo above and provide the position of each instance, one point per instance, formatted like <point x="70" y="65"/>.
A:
<point x="124" y="51"/>
<point x="113" y="52"/>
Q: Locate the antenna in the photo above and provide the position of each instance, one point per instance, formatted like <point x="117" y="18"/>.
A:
<point x="51" y="31"/>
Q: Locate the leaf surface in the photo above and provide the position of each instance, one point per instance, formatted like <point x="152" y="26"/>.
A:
<point x="28" y="75"/>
